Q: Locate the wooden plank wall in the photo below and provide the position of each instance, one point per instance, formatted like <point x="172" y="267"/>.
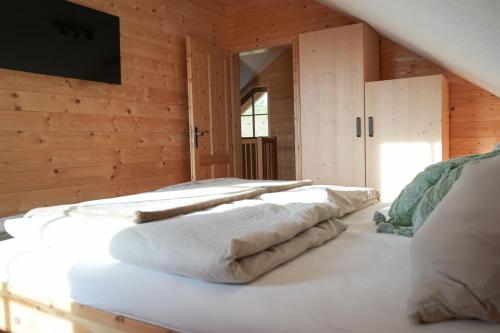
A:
<point x="278" y="78"/>
<point x="474" y="112"/>
<point x="66" y="140"/>
<point x="257" y="23"/>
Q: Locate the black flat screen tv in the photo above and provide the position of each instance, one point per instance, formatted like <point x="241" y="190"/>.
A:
<point x="57" y="37"/>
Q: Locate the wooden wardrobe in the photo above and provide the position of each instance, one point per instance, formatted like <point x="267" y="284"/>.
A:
<point x="334" y="66"/>
<point x="378" y="137"/>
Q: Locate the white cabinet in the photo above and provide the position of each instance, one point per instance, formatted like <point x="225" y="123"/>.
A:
<point x="407" y="130"/>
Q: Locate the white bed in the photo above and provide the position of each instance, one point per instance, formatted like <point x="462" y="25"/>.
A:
<point x="356" y="283"/>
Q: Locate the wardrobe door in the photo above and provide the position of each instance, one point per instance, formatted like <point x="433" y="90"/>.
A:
<point x="332" y="106"/>
<point x="407" y="130"/>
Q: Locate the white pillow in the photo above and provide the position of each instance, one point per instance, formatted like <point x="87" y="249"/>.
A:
<point x="456" y="253"/>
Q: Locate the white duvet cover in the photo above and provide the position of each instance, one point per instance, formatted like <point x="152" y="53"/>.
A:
<point x="98" y="220"/>
<point x="237" y="242"/>
<point x="233" y="242"/>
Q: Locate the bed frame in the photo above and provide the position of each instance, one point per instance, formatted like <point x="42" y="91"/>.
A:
<point x="28" y="312"/>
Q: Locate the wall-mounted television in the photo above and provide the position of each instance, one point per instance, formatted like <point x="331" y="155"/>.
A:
<point x="57" y="37"/>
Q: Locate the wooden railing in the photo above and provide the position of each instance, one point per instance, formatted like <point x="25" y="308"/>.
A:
<point x="260" y="158"/>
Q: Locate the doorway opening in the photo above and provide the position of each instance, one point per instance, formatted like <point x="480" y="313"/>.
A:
<point x="267" y="113"/>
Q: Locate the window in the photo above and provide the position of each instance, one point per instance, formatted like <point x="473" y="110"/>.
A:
<point x="255" y="114"/>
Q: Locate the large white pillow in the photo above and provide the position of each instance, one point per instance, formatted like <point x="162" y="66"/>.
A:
<point x="456" y="253"/>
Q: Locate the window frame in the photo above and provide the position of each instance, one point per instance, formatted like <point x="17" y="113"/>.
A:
<point x="251" y="95"/>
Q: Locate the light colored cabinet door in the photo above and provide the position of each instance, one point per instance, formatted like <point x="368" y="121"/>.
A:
<point x="332" y="98"/>
<point x="408" y="121"/>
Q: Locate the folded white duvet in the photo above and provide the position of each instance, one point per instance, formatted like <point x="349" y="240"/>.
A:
<point x="238" y="242"/>
<point x="92" y="223"/>
<point x="234" y="242"/>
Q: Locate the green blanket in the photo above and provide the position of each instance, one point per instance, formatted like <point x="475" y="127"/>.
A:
<point x="419" y="198"/>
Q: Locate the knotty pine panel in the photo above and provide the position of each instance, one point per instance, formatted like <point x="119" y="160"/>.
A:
<point x="261" y="23"/>
<point x="65" y="140"/>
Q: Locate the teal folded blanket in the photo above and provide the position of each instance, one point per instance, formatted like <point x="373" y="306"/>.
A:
<point x="419" y="198"/>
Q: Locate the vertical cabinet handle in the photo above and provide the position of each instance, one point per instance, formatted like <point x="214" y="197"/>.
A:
<point x="370" y="127"/>
<point x="358" y="127"/>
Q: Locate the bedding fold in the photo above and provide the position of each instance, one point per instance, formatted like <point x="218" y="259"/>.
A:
<point x="223" y="230"/>
<point x="240" y="241"/>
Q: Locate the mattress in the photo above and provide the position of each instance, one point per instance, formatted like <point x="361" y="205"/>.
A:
<point x="356" y="283"/>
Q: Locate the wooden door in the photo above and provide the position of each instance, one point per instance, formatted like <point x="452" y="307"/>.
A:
<point x="210" y="118"/>
<point x="332" y="78"/>
<point x="407" y="121"/>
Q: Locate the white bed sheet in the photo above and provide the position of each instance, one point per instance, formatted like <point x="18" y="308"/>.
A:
<point x="356" y="283"/>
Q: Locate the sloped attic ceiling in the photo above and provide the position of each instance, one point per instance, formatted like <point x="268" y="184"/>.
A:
<point x="462" y="36"/>
<point x="252" y="63"/>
